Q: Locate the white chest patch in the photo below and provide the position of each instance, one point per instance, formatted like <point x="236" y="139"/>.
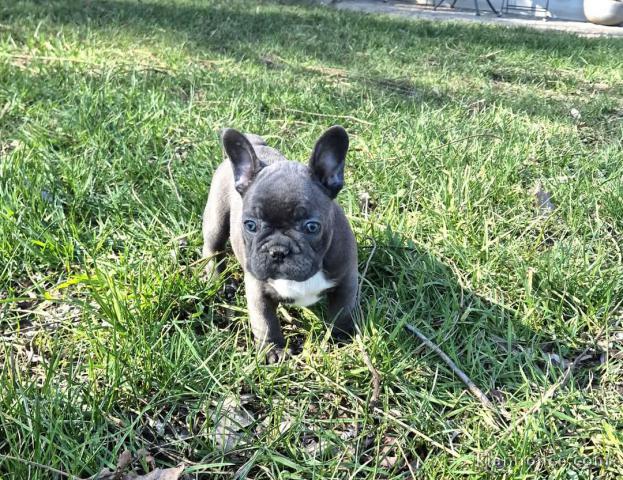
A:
<point x="304" y="293"/>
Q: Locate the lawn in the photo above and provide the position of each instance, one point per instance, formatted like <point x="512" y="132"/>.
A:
<point x="484" y="185"/>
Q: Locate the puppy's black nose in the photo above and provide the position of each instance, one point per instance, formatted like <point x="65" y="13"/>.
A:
<point x="278" y="252"/>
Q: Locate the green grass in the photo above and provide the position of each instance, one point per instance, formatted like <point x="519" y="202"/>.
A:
<point x="111" y="340"/>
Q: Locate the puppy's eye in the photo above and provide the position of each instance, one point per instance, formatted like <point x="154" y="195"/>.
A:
<point x="312" y="227"/>
<point x="250" y="225"/>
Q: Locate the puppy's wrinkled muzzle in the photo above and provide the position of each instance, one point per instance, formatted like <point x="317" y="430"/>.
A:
<point x="278" y="253"/>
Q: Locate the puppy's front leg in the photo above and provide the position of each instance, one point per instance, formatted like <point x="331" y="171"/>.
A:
<point x="264" y="322"/>
<point x="342" y="301"/>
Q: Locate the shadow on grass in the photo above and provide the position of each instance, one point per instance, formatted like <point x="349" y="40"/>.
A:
<point x="355" y="43"/>
<point x="487" y="339"/>
<point x="214" y="24"/>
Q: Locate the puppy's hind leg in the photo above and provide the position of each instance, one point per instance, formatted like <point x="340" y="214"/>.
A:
<point x="216" y="221"/>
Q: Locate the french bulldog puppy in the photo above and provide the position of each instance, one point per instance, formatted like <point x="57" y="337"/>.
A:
<point x="290" y="236"/>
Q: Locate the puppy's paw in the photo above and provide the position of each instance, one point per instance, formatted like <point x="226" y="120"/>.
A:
<point x="278" y="354"/>
<point x="343" y="334"/>
<point x="211" y="271"/>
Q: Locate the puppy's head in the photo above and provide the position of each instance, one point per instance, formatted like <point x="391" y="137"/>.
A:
<point x="287" y="214"/>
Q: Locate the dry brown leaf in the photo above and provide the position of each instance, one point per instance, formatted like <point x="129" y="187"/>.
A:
<point x="143" y="454"/>
<point x="157" y="474"/>
<point x="7" y="147"/>
<point x="389" y="461"/>
<point x="162" y="474"/>
<point x="389" y="456"/>
<point x="106" y="474"/>
<point x="313" y="448"/>
<point x="125" y="461"/>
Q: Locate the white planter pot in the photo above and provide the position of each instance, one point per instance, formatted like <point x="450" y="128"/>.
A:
<point x="604" y="12"/>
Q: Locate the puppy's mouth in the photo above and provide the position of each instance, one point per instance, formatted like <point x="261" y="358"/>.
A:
<point x="278" y="275"/>
<point x="292" y="268"/>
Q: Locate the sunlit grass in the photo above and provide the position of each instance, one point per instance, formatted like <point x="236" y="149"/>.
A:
<point x="111" y="340"/>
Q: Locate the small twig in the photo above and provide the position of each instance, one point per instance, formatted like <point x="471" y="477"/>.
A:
<point x="490" y="54"/>
<point x="462" y="375"/>
<point x="192" y="264"/>
<point x="184" y="235"/>
<point x="365" y="269"/>
<point x="48" y="58"/>
<point x="479" y="394"/>
<point x="40" y="465"/>
<point x="177" y="194"/>
<point x="489" y="135"/>
<point x="376" y="378"/>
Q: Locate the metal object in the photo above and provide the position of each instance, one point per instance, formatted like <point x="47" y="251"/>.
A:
<point x="499" y="14"/>
<point x="513" y="5"/>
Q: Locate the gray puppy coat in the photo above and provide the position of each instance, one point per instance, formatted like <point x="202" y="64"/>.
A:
<point x="290" y="236"/>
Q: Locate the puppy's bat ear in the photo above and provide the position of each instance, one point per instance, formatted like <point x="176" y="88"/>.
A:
<point x="244" y="161"/>
<point x="327" y="160"/>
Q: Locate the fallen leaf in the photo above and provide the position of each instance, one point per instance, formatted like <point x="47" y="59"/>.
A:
<point x="47" y="196"/>
<point x="173" y="473"/>
<point x="285" y="425"/>
<point x="313" y="448"/>
<point x="162" y="474"/>
<point x="389" y="461"/>
<point x="497" y="395"/>
<point x="8" y="147"/>
<point x="271" y="61"/>
<point x="388" y="454"/>
<point x="543" y="200"/>
<point x="366" y="204"/>
<point x="143" y="454"/>
<point x="124" y="460"/>
<point x="230" y="420"/>
<point x="105" y="474"/>
<point x="556" y="359"/>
